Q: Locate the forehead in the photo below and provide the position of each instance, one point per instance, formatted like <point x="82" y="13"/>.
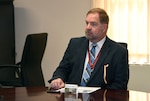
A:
<point x="93" y="17"/>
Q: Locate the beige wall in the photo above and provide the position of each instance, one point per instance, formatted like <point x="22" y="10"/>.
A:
<point x="62" y="19"/>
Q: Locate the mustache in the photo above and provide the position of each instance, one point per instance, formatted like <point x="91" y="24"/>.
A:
<point x="88" y="32"/>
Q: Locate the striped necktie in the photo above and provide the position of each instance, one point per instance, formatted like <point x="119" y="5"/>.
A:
<point x="87" y="72"/>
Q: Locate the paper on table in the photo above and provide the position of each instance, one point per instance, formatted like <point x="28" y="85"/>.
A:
<point x="83" y="89"/>
<point x="87" y="89"/>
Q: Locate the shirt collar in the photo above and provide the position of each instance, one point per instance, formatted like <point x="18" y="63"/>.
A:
<point x="99" y="43"/>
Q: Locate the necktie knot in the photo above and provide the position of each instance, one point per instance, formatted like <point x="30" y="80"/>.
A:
<point x="94" y="44"/>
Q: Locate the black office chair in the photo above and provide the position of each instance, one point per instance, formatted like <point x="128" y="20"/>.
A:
<point x="126" y="46"/>
<point x="28" y="71"/>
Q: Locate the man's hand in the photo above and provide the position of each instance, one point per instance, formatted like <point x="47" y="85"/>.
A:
<point x="57" y="84"/>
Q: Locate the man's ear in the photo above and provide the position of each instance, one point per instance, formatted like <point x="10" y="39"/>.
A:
<point x="105" y="27"/>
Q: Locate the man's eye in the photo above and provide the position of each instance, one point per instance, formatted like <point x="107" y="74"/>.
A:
<point x="93" y="24"/>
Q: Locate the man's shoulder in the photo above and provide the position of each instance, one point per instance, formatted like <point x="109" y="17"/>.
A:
<point x="79" y="38"/>
<point x="78" y="41"/>
<point x="116" y="44"/>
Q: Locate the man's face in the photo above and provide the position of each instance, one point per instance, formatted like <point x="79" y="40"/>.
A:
<point x="94" y="30"/>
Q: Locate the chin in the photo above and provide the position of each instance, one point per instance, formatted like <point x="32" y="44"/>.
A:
<point x="89" y="38"/>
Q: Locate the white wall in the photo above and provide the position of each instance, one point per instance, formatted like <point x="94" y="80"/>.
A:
<point x="62" y="19"/>
<point x="139" y="78"/>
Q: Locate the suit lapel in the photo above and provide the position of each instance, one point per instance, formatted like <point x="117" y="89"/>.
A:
<point x="104" y="52"/>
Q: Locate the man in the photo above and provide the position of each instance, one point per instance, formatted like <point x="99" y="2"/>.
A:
<point x="110" y="69"/>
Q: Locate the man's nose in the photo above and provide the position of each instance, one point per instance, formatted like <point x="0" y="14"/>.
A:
<point x="88" y="26"/>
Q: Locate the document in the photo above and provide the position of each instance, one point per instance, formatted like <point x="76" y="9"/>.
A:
<point x="82" y="89"/>
<point x="71" y="88"/>
<point x="87" y="89"/>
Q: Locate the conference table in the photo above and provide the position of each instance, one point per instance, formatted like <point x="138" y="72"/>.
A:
<point x="40" y="94"/>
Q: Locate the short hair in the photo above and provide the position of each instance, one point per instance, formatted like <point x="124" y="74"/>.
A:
<point x="103" y="16"/>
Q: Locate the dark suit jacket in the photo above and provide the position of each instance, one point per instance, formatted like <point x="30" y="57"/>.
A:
<point x="111" y="70"/>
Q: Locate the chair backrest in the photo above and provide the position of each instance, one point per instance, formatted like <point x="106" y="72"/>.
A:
<point x="33" y="52"/>
<point x="126" y="46"/>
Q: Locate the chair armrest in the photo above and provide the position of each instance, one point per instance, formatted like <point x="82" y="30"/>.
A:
<point x="10" y="66"/>
<point x="13" y="68"/>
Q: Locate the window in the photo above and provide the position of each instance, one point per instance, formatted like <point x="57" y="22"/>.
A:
<point x="130" y="23"/>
